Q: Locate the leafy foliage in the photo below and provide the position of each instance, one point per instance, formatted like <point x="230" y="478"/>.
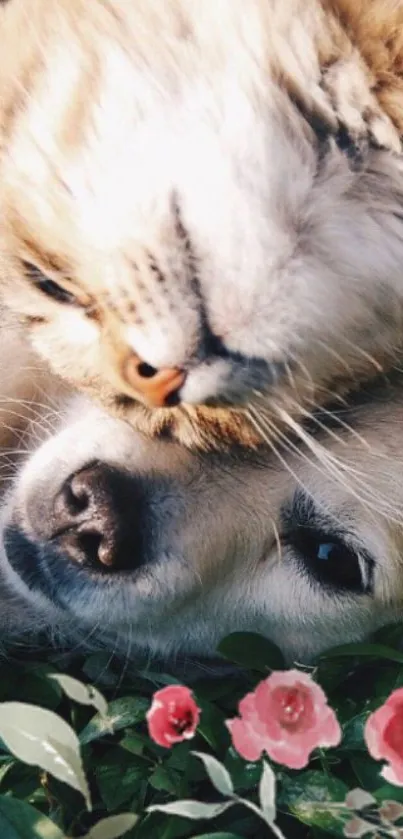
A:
<point x="76" y="759"/>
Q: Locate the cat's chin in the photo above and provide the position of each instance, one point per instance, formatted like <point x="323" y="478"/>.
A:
<point x="205" y="427"/>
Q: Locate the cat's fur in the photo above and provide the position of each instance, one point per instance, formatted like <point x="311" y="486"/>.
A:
<point x="218" y="186"/>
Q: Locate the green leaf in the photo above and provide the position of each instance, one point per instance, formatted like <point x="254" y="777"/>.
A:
<point x="389" y="792"/>
<point x="41" y="738"/>
<point x="213" y="689"/>
<point x="331" y="673"/>
<point x="119" y="776"/>
<point x="79" y="692"/>
<point x="252" y="651"/>
<point x="306" y="796"/>
<point x="367" y="771"/>
<point x="267" y="792"/>
<point x="365" y="651"/>
<point x="18" y="820"/>
<point x="388" y="678"/>
<point x="134" y="743"/>
<point x="181" y="758"/>
<point x="159" y="679"/>
<point x="122" y="712"/>
<point x="5" y="767"/>
<point x="212" y="725"/>
<point x="190" y="809"/>
<point x="21" y="780"/>
<point x="391" y="635"/>
<point x="218" y="774"/>
<point x="217" y="836"/>
<point x="167" y="780"/>
<point x="98" y="668"/>
<point x="261" y="815"/>
<point x="40" y="690"/>
<point x="353" y="734"/>
<point x="244" y="775"/>
<point x="113" y="827"/>
<point x="358" y="799"/>
<point x="157" y="826"/>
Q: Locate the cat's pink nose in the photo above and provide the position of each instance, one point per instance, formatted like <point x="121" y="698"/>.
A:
<point x="159" y="388"/>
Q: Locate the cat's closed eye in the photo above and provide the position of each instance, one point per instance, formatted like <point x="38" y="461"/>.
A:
<point x="50" y="287"/>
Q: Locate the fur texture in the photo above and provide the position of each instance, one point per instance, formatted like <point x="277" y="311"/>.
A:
<point x="216" y="187"/>
<point x="307" y="552"/>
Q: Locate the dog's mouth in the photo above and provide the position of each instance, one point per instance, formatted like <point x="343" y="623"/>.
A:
<point x="42" y="570"/>
<point x="125" y="597"/>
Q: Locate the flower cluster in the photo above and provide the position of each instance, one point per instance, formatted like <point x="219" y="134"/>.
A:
<point x="287" y="716"/>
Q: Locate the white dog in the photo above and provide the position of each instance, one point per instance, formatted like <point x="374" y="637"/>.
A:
<point x="141" y="545"/>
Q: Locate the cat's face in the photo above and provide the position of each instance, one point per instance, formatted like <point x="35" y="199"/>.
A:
<point x="174" y="228"/>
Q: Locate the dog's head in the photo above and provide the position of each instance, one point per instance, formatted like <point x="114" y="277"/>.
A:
<point x="143" y="545"/>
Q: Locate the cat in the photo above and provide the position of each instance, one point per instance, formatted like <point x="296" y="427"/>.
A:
<point x="201" y="214"/>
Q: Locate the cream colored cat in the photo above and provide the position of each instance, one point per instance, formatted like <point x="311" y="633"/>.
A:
<point x="110" y="539"/>
<point x="201" y="203"/>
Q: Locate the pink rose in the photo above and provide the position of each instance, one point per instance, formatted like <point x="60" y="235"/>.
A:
<point x="383" y="735"/>
<point x="173" y="716"/>
<point x="287" y="716"/>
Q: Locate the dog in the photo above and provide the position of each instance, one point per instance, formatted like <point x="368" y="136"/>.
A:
<point x="114" y="539"/>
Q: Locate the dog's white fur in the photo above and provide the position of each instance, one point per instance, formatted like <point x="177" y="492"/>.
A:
<point x="222" y="560"/>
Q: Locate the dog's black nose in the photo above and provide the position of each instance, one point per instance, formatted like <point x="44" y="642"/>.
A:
<point x="99" y="519"/>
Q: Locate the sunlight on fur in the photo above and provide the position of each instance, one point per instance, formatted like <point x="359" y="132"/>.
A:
<point x="201" y="227"/>
<point x="199" y="202"/>
<point x="111" y="539"/>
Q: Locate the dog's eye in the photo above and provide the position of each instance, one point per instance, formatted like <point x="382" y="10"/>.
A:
<point x="323" y="549"/>
<point x="329" y="560"/>
<point x="48" y="286"/>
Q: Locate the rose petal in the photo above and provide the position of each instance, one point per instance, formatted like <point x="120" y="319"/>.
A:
<point x="329" y="731"/>
<point x="244" y="739"/>
<point x="173" y="715"/>
<point x="287" y="755"/>
<point x="373" y="731"/>
<point x="287" y="734"/>
<point x="391" y="810"/>
<point x="395" y="699"/>
<point x="356" y="828"/>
